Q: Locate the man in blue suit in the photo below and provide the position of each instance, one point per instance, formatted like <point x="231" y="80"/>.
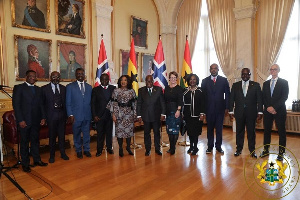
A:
<point x="216" y="89"/>
<point x="78" y="103"/>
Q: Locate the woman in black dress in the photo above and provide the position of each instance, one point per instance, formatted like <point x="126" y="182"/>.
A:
<point x="174" y="102"/>
<point x="193" y="111"/>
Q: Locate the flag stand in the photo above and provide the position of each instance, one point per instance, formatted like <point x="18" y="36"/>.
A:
<point x="184" y="143"/>
<point x="161" y="137"/>
<point x="135" y="145"/>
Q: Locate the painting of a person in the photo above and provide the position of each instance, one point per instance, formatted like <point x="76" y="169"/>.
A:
<point x="33" y="16"/>
<point x="72" y="65"/>
<point x="33" y="62"/>
<point x="138" y="36"/>
<point x="74" y="26"/>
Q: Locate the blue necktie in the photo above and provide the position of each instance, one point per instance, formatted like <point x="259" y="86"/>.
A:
<point x="272" y="86"/>
<point x="32" y="89"/>
<point x="81" y="88"/>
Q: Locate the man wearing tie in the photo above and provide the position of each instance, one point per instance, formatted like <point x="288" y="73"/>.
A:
<point x="54" y="100"/>
<point x="101" y="115"/>
<point x="246" y="99"/>
<point x="78" y="103"/>
<point x="216" y="90"/>
<point x="275" y="93"/>
<point x="29" y="112"/>
<point x="151" y="109"/>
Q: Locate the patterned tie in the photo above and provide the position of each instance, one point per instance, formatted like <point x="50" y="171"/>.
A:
<point x="56" y="90"/>
<point x="214" y="80"/>
<point x="81" y="88"/>
<point x="149" y="91"/>
<point x="272" y="86"/>
<point x="244" y="89"/>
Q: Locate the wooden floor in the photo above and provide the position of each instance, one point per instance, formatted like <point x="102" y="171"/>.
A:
<point x="180" y="176"/>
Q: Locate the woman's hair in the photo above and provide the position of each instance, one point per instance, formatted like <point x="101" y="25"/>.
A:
<point x="129" y="81"/>
<point x="173" y="73"/>
<point x="189" y="78"/>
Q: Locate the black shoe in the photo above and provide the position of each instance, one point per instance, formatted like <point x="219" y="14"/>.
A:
<point x="190" y="150"/>
<point x="208" y="151"/>
<point x="79" y="155"/>
<point x="264" y="153"/>
<point x="110" y="151"/>
<point x="40" y="163"/>
<point x="253" y="155"/>
<point x="172" y="152"/>
<point x="121" y="154"/>
<point x="65" y="157"/>
<point x="98" y="154"/>
<point x="220" y="150"/>
<point x="147" y="153"/>
<point x="237" y="153"/>
<point x="169" y="151"/>
<point x="195" y="152"/>
<point x="280" y="157"/>
<point x="129" y="151"/>
<point x="26" y="169"/>
<point x="87" y="154"/>
<point x="51" y="160"/>
<point x="158" y="152"/>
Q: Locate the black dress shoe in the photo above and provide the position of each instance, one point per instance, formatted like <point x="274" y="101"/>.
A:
<point x="190" y="150"/>
<point x="79" y="155"/>
<point x="253" y="155"/>
<point x="64" y="157"/>
<point x="172" y="152"/>
<point x="158" y="152"/>
<point x="110" y="151"/>
<point x="98" y="154"/>
<point x="129" y="151"/>
<point x="264" y="153"/>
<point x="208" y="151"/>
<point x="121" y="154"/>
<point x="87" y="154"/>
<point x="195" y="151"/>
<point x="169" y="151"/>
<point x="26" y="168"/>
<point x="220" y="150"/>
<point x="51" y="160"/>
<point x="147" y="153"/>
<point x="237" y="153"/>
<point x="280" y="157"/>
<point x="40" y="163"/>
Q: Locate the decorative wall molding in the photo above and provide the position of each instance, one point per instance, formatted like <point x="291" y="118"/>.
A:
<point x="103" y="11"/>
<point x="244" y="12"/>
<point x="168" y="29"/>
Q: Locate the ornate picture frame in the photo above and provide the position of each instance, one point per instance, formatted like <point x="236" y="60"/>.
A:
<point x="34" y="17"/>
<point x="70" y="18"/>
<point x="146" y="69"/>
<point x="139" y="32"/>
<point x="32" y="53"/>
<point x="70" y="56"/>
<point x="124" y="58"/>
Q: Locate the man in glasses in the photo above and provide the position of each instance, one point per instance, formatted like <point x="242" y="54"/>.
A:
<point x="54" y="97"/>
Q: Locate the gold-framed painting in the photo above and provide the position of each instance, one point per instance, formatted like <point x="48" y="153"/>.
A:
<point x="32" y="54"/>
<point x="124" y="58"/>
<point x="147" y="62"/>
<point x="70" y="56"/>
<point x="139" y="32"/>
<point x="31" y="14"/>
<point x="70" y="18"/>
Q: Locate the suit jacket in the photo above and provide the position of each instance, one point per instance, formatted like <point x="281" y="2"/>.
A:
<point x="77" y="104"/>
<point x="48" y="103"/>
<point x="76" y="24"/>
<point x="280" y="95"/>
<point x="253" y="99"/>
<point x="215" y="102"/>
<point x="99" y="102"/>
<point x="28" y="107"/>
<point x="151" y="107"/>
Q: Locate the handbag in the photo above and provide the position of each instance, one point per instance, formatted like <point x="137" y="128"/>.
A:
<point x="183" y="127"/>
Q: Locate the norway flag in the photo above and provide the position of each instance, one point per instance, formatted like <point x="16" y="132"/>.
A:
<point x="159" y="67"/>
<point x="102" y="64"/>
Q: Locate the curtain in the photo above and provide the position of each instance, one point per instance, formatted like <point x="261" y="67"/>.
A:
<point x="187" y="24"/>
<point x="222" y="23"/>
<point x="272" y="19"/>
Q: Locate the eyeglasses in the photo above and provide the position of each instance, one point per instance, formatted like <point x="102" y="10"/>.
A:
<point x="274" y="69"/>
<point x="173" y="78"/>
<point x="55" y="77"/>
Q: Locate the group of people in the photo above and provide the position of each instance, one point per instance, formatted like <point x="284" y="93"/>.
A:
<point x="79" y="103"/>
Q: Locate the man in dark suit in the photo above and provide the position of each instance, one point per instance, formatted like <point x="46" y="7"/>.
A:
<point x="74" y="26"/>
<point x="29" y="112"/>
<point x="151" y="109"/>
<point x="54" y="100"/>
<point x="275" y="93"/>
<point x="216" y="89"/>
<point x="246" y="99"/>
<point x="101" y="115"/>
<point x="78" y="103"/>
<point x="33" y="16"/>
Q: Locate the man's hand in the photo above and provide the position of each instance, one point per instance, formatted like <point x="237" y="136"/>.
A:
<point x="226" y="112"/>
<point x="162" y="118"/>
<point x="271" y="110"/>
<point x="140" y="119"/>
<point x="259" y="117"/>
<point x="201" y="118"/>
<point x="231" y="117"/>
<point x="114" y="118"/>
<point x="71" y="119"/>
<point x="22" y="124"/>
<point x="96" y="119"/>
<point x="43" y="122"/>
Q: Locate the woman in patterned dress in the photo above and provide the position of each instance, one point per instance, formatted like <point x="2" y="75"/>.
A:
<point x="123" y="108"/>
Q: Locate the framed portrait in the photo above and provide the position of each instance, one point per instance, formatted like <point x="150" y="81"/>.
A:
<point x="139" y="32"/>
<point x="147" y="62"/>
<point x="32" y="53"/>
<point x="31" y="14"/>
<point x="124" y="58"/>
<point x="70" y="57"/>
<point x="70" y="18"/>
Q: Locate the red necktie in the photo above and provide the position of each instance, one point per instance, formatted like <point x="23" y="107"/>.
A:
<point x="105" y="87"/>
<point x="214" y="80"/>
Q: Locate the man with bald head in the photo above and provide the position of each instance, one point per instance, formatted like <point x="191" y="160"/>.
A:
<point x="275" y="93"/>
<point x="54" y="101"/>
